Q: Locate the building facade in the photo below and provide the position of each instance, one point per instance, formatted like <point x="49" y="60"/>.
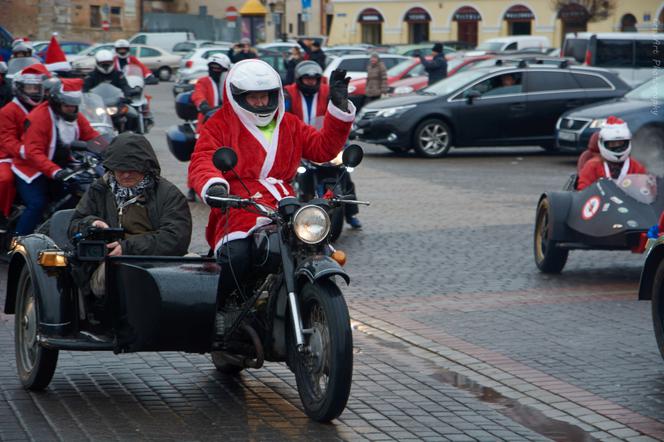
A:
<point x="401" y="22"/>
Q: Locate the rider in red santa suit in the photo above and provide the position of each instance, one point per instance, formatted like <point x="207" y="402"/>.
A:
<point x="50" y="128"/>
<point x="269" y="144"/>
<point x="615" y="144"/>
<point x="208" y="91"/>
<point x="123" y="58"/>
<point x="28" y="91"/>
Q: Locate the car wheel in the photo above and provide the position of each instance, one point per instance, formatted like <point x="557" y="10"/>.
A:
<point x="164" y="73"/>
<point x="549" y="258"/>
<point x="433" y="138"/>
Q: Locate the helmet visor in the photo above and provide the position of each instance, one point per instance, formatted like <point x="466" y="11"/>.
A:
<point x="122" y="52"/>
<point x="617" y="146"/>
<point x="258" y="102"/>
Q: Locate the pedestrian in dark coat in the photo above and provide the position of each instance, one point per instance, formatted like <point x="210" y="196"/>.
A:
<point x="313" y="51"/>
<point x="437" y="67"/>
<point x="293" y="60"/>
<point x="242" y="51"/>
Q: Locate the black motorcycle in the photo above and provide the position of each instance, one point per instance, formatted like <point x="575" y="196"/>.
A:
<point x="116" y="105"/>
<point x="292" y="308"/>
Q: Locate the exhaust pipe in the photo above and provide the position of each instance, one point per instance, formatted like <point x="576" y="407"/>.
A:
<point x="243" y="361"/>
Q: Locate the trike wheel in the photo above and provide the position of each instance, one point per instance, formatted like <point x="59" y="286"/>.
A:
<point x="549" y="258"/>
<point x="657" y="304"/>
<point x="34" y="363"/>
<point x="324" y="370"/>
<point x="222" y="366"/>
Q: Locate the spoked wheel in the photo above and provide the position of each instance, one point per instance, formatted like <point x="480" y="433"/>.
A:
<point x="224" y="367"/>
<point x="433" y="139"/>
<point x="548" y="256"/>
<point x="324" y="370"/>
<point x="35" y="364"/>
<point x="657" y="304"/>
<point x="337" y="223"/>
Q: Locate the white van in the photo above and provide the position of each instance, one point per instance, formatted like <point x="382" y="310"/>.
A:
<point x="163" y="40"/>
<point x="631" y="55"/>
<point x="514" y="43"/>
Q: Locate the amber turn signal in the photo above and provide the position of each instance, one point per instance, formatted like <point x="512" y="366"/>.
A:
<point x="52" y="258"/>
<point x="339" y="257"/>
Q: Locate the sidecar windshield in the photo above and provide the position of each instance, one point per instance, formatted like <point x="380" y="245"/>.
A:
<point x="641" y="187"/>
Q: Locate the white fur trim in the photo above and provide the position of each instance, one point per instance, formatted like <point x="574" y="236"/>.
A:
<point x="346" y="117"/>
<point x="260" y="222"/>
<point x="6" y="160"/>
<point x="59" y="66"/>
<point x="623" y="171"/>
<point x="51" y="145"/>
<point x="53" y="174"/>
<point x="24" y="177"/>
<point x="215" y="92"/>
<point x="21" y="151"/>
<point x="211" y="181"/>
<point x="309" y="118"/>
<point x="19" y="104"/>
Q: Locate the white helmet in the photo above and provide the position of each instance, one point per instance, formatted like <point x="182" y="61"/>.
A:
<point x="104" y="61"/>
<point x="122" y="48"/>
<point x="615" y="140"/>
<point x="221" y="59"/>
<point x="254" y="76"/>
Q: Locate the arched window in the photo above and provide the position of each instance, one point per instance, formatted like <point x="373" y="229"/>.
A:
<point x="372" y="26"/>
<point x="418" y="21"/>
<point x="467" y="19"/>
<point x="628" y="23"/>
<point x="519" y="20"/>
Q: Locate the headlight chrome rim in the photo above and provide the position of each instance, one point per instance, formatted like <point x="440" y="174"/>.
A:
<point x="300" y="229"/>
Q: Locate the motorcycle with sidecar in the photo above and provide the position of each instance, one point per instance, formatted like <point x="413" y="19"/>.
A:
<point x="291" y="311"/>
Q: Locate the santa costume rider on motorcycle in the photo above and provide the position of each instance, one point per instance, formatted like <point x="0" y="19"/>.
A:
<point x="270" y="144"/>
<point x="615" y="145"/>
<point x="49" y="131"/>
<point x="307" y="98"/>
<point x="208" y="91"/>
<point x="105" y="72"/>
<point x="28" y="89"/>
<point x="123" y="58"/>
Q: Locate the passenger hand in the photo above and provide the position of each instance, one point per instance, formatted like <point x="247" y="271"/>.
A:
<point x="115" y="248"/>
<point x="339" y="89"/>
<point x="61" y="174"/>
<point x="215" y="190"/>
<point x="100" y="224"/>
<point x="204" y="108"/>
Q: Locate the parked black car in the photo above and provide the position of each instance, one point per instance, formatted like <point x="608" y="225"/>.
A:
<point x="493" y="106"/>
<point x="640" y="108"/>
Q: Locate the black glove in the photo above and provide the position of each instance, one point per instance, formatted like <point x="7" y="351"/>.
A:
<point x="339" y="89"/>
<point x="215" y="190"/>
<point x="61" y="174"/>
<point x="204" y="108"/>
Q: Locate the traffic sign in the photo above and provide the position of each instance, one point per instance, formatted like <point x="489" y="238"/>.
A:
<point x="231" y="13"/>
<point x="105" y="25"/>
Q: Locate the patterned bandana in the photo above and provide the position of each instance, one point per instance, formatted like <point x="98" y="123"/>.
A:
<point x="124" y="194"/>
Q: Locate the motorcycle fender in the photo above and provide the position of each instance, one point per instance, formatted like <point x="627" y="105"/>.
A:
<point x="55" y="306"/>
<point x="317" y="267"/>
<point x="653" y="261"/>
<point x="559" y="204"/>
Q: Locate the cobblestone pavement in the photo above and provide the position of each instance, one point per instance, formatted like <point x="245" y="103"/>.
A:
<point x="457" y="335"/>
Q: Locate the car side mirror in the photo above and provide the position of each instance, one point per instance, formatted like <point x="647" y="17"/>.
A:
<point x="224" y="159"/>
<point x="471" y="96"/>
<point x="352" y="155"/>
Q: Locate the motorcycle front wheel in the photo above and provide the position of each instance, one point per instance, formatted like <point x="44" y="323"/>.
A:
<point x="324" y="370"/>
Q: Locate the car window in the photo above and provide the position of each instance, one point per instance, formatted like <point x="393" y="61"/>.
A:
<point x="576" y="48"/>
<point x="184" y="47"/>
<point x="453" y="83"/>
<point x="649" y="54"/>
<point x="511" y="47"/>
<point x="614" y="53"/>
<point x="207" y="54"/>
<point x="503" y="84"/>
<point x="149" y="52"/>
<point x="652" y="91"/>
<point x="356" y="64"/>
<point x="416" y="71"/>
<point x="587" y="81"/>
<point x="140" y="40"/>
<point x="101" y="48"/>
<point x="390" y="62"/>
<point x="70" y="49"/>
<point x="550" y="81"/>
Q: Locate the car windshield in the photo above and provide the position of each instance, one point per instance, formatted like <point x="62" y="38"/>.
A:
<point x="399" y="68"/>
<point x="652" y="90"/>
<point x="641" y="187"/>
<point x="453" y="83"/>
<point x="490" y="46"/>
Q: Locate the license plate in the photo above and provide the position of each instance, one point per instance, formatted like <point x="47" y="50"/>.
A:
<point x="567" y="136"/>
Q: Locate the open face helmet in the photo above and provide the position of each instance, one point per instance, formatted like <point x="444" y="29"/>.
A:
<point x="104" y="61"/>
<point x="308" y="69"/>
<point x="21" y="49"/>
<point x="122" y="48"/>
<point x="250" y="76"/>
<point x="615" y="140"/>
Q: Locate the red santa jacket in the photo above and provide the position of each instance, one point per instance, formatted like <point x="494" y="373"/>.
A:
<point x="205" y="90"/>
<point x="297" y="103"/>
<point x="595" y="169"/>
<point x="267" y="168"/>
<point x="132" y="60"/>
<point x="12" y="119"/>
<point x="39" y="142"/>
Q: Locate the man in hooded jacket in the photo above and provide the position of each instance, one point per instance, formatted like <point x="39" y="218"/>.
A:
<point x="270" y="144"/>
<point x="132" y="194"/>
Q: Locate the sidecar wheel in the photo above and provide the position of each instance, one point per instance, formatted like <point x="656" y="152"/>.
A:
<point x="657" y="304"/>
<point x="34" y="363"/>
<point x="324" y="374"/>
<point x="224" y="367"/>
<point x="549" y="258"/>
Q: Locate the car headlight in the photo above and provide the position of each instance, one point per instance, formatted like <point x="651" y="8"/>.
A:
<point x="403" y="90"/>
<point x="392" y="111"/>
<point x="597" y="123"/>
<point x="311" y="224"/>
<point x="351" y="89"/>
<point x="112" y="110"/>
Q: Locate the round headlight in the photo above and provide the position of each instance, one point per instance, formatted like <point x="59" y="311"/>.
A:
<point x="112" y="110"/>
<point x="311" y="224"/>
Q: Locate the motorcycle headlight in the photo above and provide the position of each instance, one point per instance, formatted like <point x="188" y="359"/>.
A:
<point x="112" y="110"/>
<point x="100" y="111"/>
<point x="597" y="123"/>
<point x="311" y="224"/>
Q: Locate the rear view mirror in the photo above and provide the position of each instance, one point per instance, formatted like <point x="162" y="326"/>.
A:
<point x="352" y="155"/>
<point x="224" y="159"/>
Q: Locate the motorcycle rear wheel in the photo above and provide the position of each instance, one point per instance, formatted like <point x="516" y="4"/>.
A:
<point x="324" y="371"/>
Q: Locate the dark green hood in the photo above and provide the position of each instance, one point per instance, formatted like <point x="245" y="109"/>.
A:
<point x="130" y="151"/>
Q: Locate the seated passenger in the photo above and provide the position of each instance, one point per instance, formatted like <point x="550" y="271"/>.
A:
<point x="153" y="212"/>
<point x="615" y="144"/>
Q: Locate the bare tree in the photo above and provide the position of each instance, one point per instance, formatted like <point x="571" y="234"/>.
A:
<point x="598" y="10"/>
